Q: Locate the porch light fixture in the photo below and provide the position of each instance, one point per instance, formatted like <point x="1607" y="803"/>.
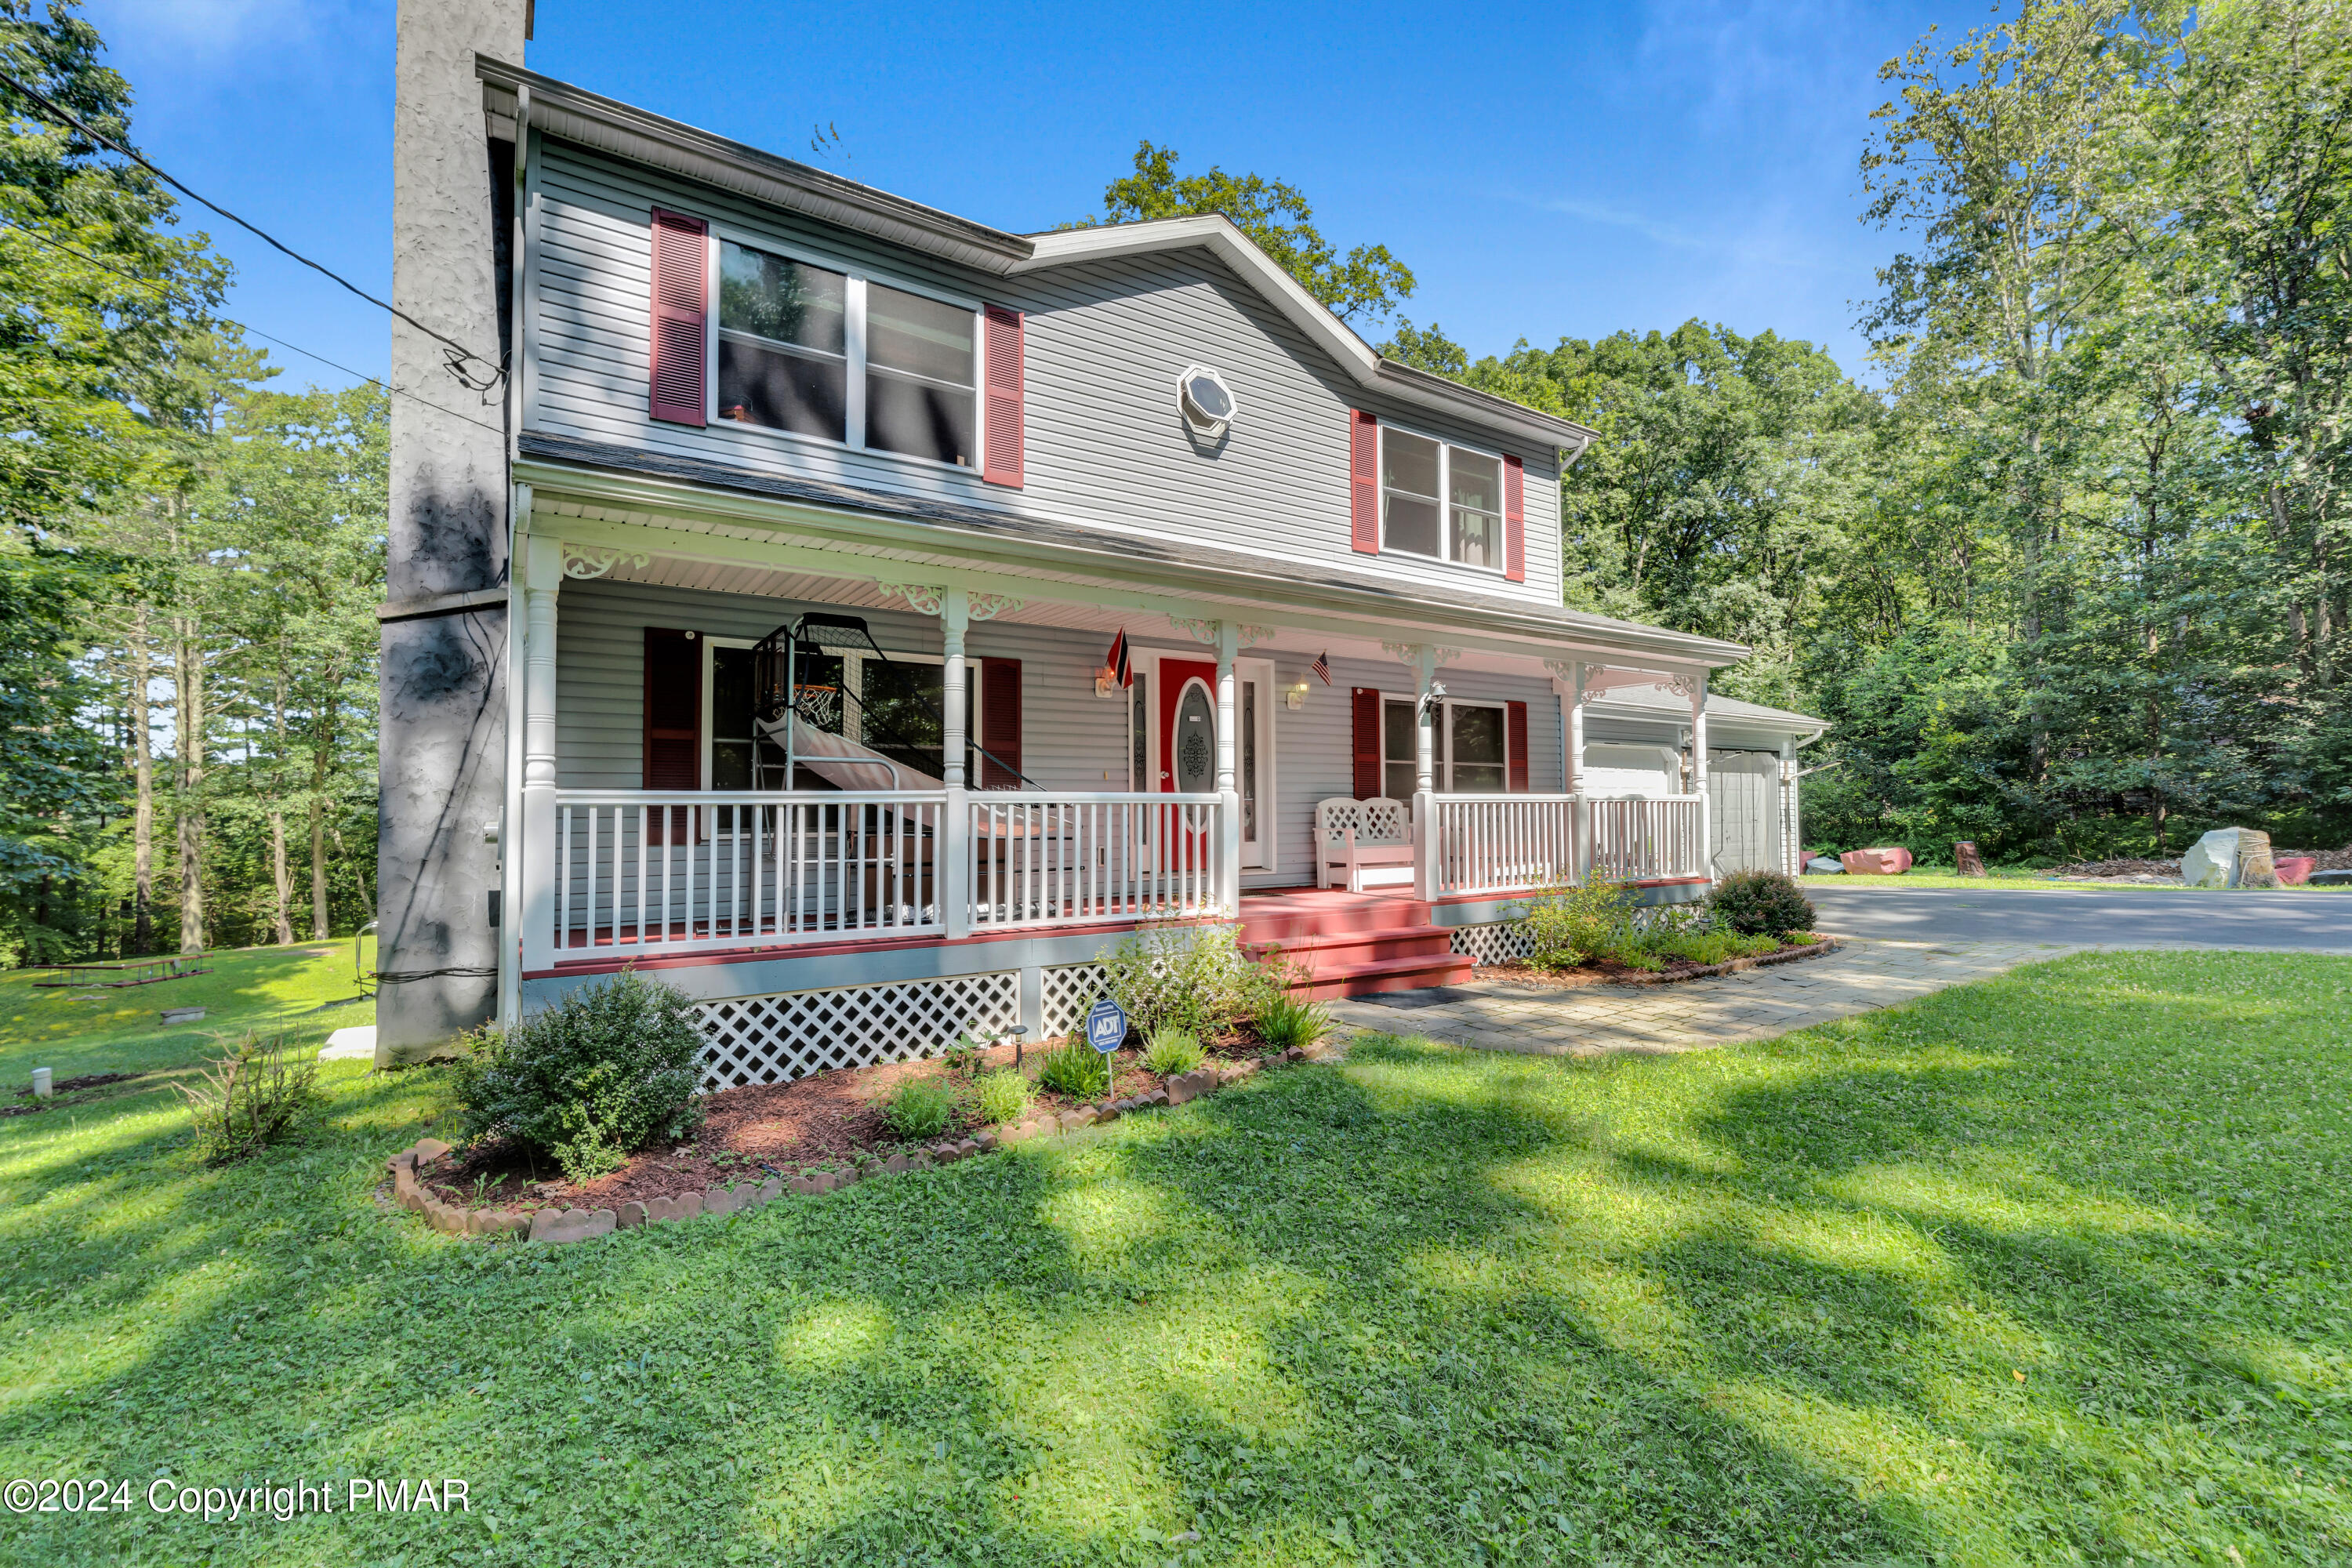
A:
<point x="1205" y="400"/>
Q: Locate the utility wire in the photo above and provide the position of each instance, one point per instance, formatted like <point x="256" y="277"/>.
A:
<point x="66" y="116"/>
<point x="35" y="234"/>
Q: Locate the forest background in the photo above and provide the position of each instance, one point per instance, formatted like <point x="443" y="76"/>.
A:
<point x="2065" y="565"/>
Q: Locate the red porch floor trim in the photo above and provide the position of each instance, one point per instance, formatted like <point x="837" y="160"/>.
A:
<point x="611" y="959"/>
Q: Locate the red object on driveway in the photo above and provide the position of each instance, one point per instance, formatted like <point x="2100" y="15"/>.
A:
<point x="1875" y="862"/>
<point x="2295" y="869"/>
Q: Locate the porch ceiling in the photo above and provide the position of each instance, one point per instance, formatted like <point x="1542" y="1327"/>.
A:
<point x="722" y="541"/>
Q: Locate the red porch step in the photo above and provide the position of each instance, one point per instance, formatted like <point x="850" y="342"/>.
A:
<point x="1354" y="945"/>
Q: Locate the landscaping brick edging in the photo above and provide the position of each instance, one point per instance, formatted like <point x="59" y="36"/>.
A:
<point x="578" y="1225"/>
<point x="1733" y="966"/>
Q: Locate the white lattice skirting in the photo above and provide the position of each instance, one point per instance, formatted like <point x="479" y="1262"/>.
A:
<point x="774" y="1039"/>
<point x="1069" y="991"/>
<point x="1494" y="943"/>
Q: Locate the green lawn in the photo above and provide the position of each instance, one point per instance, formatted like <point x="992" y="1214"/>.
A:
<point x="95" y="1028"/>
<point x="2052" y="1269"/>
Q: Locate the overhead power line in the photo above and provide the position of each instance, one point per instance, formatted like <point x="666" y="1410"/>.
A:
<point x="34" y="234"/>
<point x="67" y="116"/>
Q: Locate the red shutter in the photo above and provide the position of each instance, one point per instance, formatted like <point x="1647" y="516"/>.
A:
<point x="673" y="745"/>
<point x="1367" y="704"/>
<point x="1000" y="723"/>
<point x="1364" y="485"/>
<point x="1002" y="458"/>
<point x="1515" y="525"/>
<point x="1515" y="727"/>
<point x="681" y="297"/>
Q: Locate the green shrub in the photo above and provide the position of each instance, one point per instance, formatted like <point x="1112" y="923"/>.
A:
<point x="1293" y="1022"/>
<point x="1076" y="1069"/>
<point x="610" y="1069"/>
<point x="999" y="1095"/>
<point x="1766" y="902"/>
<point x="1193" y="976"/>
<point x="921" y="1107"/>
<point x="248" y="1098"/>
<point x="1172" y="1051"/>
<point x="1576" y="925"/>
<point x="1710" y="947"/>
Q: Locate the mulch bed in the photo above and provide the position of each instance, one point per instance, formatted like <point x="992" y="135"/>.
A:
<point x="65" y="1086"/>
<point x="1607" y="972"/>
<point x="826" y="1120"/>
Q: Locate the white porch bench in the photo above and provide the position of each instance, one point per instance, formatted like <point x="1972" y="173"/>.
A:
<point x="1362" y="844"/>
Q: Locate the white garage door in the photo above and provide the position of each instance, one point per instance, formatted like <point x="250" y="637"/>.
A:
<point x="1744" y="798"/>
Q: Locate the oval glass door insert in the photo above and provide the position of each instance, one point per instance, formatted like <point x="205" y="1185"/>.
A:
<point x="1195" y="742"/>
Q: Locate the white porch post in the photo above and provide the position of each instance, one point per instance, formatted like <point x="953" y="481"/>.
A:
<point x="953" y="873"/>
<point x="543" y="579"/>
<point x="1229" y="799"/>
<point x="1570" y="690"/>
<point x="1424" y="774"/>
<point x="1793" y="853"/>
<point x="1698" y="775"/>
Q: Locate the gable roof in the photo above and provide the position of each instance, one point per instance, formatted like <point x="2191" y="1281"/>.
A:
<point x="590" y="120"/>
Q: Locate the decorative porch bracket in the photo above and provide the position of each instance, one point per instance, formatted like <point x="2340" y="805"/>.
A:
<point x="587" y="565"/>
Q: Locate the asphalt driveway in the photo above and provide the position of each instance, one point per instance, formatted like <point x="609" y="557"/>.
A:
<point x="2315" y="919"/>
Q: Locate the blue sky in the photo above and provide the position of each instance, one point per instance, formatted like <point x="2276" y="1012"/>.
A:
<point x="1552" y="171"/>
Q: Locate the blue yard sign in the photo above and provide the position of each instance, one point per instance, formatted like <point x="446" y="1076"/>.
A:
<point x="1105" y="1025"/>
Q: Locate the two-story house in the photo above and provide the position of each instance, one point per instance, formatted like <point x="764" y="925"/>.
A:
<point x="901" y="609"/>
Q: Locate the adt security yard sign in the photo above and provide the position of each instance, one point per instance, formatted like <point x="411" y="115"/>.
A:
<point x="1105" y="1025"/>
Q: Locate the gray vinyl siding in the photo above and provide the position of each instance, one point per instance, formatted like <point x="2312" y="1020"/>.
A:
<point x="1070" y="738"/>
<point x="1105" y="342"/>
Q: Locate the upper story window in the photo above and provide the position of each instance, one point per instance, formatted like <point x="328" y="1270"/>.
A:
<point x="825" y="354"/>
<point x="1441" y="500"/>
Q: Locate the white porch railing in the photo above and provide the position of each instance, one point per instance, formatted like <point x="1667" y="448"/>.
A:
<point x="1504" y="843"/>
<point x="1062" y="859"/>
<point x="1636" y="840"/>
<point x="1518" y="843"/>
<point x="687" y="870"/>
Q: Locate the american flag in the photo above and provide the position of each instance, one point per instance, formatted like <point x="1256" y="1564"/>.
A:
<point x="1116" y="661"/>
<point x="1322" y="668"/>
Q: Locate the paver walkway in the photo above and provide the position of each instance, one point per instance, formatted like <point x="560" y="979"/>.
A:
<point x="1496" y="1014"/>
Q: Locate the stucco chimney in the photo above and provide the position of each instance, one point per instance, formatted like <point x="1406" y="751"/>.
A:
<point x="442" y="764"/>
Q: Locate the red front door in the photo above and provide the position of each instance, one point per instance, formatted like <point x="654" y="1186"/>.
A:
<point x="1187" y="752"/>
<point x="1182" y="764"/>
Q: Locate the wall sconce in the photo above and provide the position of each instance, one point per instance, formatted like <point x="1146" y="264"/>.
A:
<point x="1106" y="681"/>
<point x="1296" y="698"/>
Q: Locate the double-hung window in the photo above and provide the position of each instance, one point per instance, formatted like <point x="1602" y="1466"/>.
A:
<point x="1470" y="751"/>
<point x="1441" y="500"/>
<point x="815" y="352"/>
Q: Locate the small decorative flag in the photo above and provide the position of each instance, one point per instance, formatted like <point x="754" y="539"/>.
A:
<point x="1117" y="662"/>
<point x="1322" y="668"/>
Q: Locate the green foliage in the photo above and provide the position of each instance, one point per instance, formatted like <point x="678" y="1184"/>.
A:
<point x="921" y="1107"/>
<point x="1190" y="976"/>
<point x="1172" y="1051"/>
<point x="1578" y="925"/>
<point x="999" y="1095"/>
<point x="1708" y="946"/>
<point x="252" y="1096"/>
<point x="608" y="1070"/>
<point x="1768" y="902"/>
<point x="1292" y="1021"/>
<point x="1075" y="1069"/>
<point x="1366" y="280"/>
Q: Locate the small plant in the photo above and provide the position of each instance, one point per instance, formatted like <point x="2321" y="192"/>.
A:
<point x="1172" y="1051"/>
<point x="1575" y="925"/>
<point x="248" y="1098"/>
<point x="921" y="1107"/>
<point x="1800" y="938"/>
<point x="1293" y="1023"/>
<point x="1193" y="976"/>
<point x="964" y="1055"/>
<point x="1765" y="902"/>
<point x="999" y="1095"/>
<point x="608" y="1070"/>
<point x="1076" y="1069"/>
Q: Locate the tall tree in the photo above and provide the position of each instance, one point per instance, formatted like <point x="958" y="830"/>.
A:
<point x="1366" y="283"/>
